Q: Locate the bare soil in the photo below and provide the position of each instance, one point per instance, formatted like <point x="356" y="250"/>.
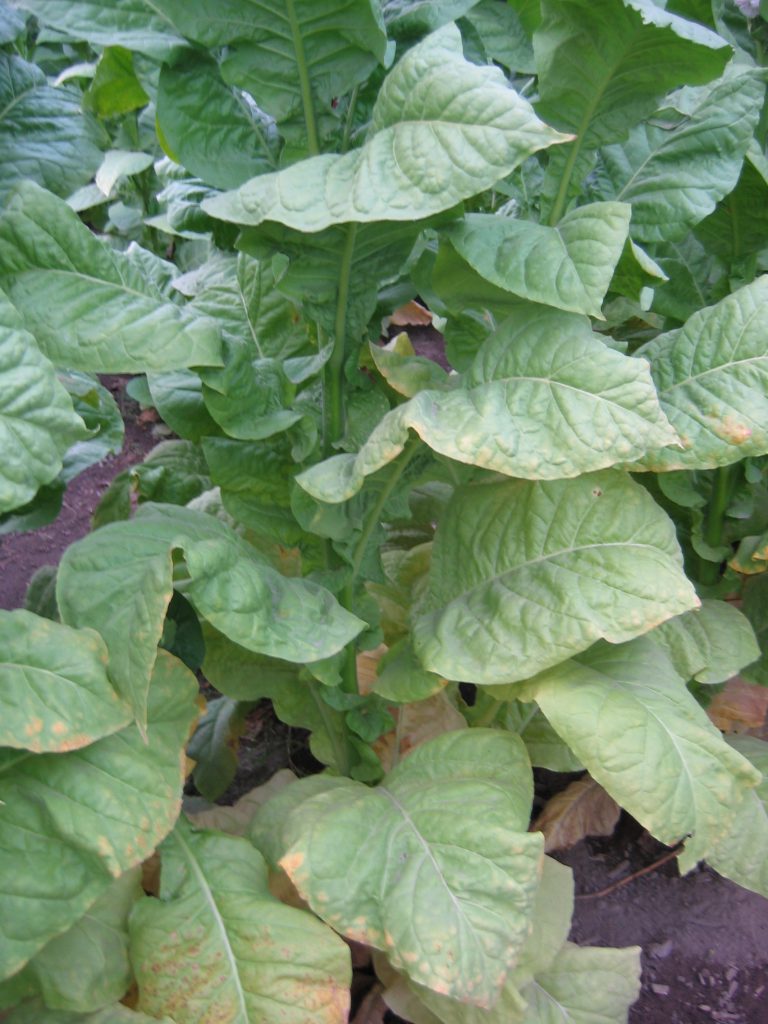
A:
<point x="704" y="939"/>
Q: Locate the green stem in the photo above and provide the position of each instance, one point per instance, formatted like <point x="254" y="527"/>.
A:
<point x="313" y="143"/>
<point x="333" y="379"/>
<point x="349" y="119"/>
<point x="565" y="182"/>
<point x="489" y="716"/>
<point x="339" y="745"/>
<point x="715" y="517"/>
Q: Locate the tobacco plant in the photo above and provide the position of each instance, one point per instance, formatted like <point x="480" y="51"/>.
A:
<point x="550" y="550"/>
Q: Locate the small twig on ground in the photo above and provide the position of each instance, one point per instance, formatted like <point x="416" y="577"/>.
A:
<point x="669" y="855"/>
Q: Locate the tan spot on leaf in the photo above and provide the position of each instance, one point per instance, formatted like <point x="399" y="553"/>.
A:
<point x="59" y="728"/>
<point x="291" y="863"/>
<point x="732" y="431"/>
<point x="34" y="727"/>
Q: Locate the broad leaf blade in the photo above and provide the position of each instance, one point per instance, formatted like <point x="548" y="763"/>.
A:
<point x="525" y="574"/>
<point x="712" y="379"/>
<point x="55" y="694"/>
<point x="444" y="872"/>
<point x="91" y="308"/>
<point x="710" y="644"/>
<point x="628" y="716"/>
<point x="133" y="24"/>
<point x="544" y="399"/>
<point x="568" y="266"/>
<point x="72" y="822"/>
<point x="442" y="130"/>
<point x="217" y="938"/>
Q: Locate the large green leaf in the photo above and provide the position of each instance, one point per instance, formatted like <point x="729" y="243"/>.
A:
<point x="442" y="130"/>
<point x="178" y="397"/>
<point x="55" y="694"/>
<point x="737" y="228"/>
<point x="712" y="379"/>
<point x="89" y="307"/>
<point x="35" y="1012"/>
<point x="638" y="731"/>
<point x="710" y="644"/>
<point x="72" y="822"/>
<point x="525" y="574"/>
<point x="37" y="421"/>
<point x="218" y="945"/>
<point x="12" y="23"/>
<point x="209" y="127"/>
<point x="674" y="175"/>
<point x="585" y="985"/>
<point x="602" y="69"/>
<point x="742" y="854"/>
<point x="44" y="134"/>
<point x="119" y="580"/>
<point x="134" y="24"/>
<point x="434" y="865"/>
<point x="544" y="399"/>
<point x="87" y="967"/>
<point x="569" y="266"/>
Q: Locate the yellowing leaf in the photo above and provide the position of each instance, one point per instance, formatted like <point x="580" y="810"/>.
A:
<point x="236" y="820"/>
<point x="582" y="809"/>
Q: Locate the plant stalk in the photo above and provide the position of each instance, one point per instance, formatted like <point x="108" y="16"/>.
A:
<point x="333" y="378"/>
<point x="720" y="498"/>
<point x="339" y="745"/>
<point x="313" y="143"/>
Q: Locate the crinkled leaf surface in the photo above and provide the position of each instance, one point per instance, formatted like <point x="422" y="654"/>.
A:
<point x="133" y="24"/>
<point x="37" y="421"/>
<point x="44" y="134"/>
<point x="585" y="985"/>
<point x="434" y="865"/>
<point x="89" y="307"/>
<point x="55" y="694"/>
<point x="568" y="266"/>
<point x="543" y="399"/>
<point x="71" y="822"/>
<point x="219" y="947"/>
<point x="119" y="581"/>
<point x="525" y="574"/>
<point x="742" y="854"/>
<point x="442" y="130"/>
<point x="629" y="718"/>
<point x="674" y="176"/>
<point x="712" y="379"/>
<point x="710" y="644"/>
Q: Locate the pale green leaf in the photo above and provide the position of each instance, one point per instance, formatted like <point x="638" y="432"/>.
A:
<point x="119" y="581"/>
<point x="630" y="719"/>
<point x="217" y="946"/>
<point x="675" y="175"/>
<point x="44" y="134"/>
<point x="34" y="1013"/>
<point x="712" y="379"/>
<point x="544" y="399"/>
<point x="503" y="35"/>
<point x="97" y="408"/>
<point x="568" y="266"/>
<point x="134" y="24"/>
<point x="115" y="89"/>
<point x="586" y="985"/>
<point x="737" y="229"/>
<point x="405" y="18"/>
<point x="11" y="23"/>
<point x="742" y="854"/>
<point x="89" y="307"/>
<point x="525" y="574"/>
<point x="72" y="822"/>
<point x="442" y="130"/>
<point x="406" y="372"/>
<point x="37" y="421"/>
<point x="213" y="747"/>
<point x="434" y="865"/>
<point x="87" y="967"/>
<point x="178" y="397"/>
<point x="545" y="748"/>
<point x="709" y="644"/>
<point x="120" y="163"/>
<point x="55" y="694"/>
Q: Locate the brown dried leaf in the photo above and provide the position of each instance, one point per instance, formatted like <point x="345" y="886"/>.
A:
<point x="411" y="314"/>
<point x="416" y="723"/>
<point x="581" y="809"/>
<point x="368" y="668"/>
<point x="739" y="706"/>
<point x="236" y="819"/>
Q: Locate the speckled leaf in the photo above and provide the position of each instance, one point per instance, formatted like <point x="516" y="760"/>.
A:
<point x="568" y="266"/>
<point x="710" y="644"/>
<point x="55" y="694"/>
<point x="585" y="985"/>
<point x="629" y="717"/>
<point x="90" y="307"/>
<point x="526" y="574"/>
<point x="675" y="175"/>
<point x="119" y="581"/>
<point x="72" y="822"/>
<point x="712" y="379"/>
<point x="37" y="420"/>
<point x="444" y="872"/>
<point x="742" y="854"/>
<point x="442" y="130"/>
<point x="44" y="134"/>
<point x="218" y="947"/>
<point x="544" y="399"/>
